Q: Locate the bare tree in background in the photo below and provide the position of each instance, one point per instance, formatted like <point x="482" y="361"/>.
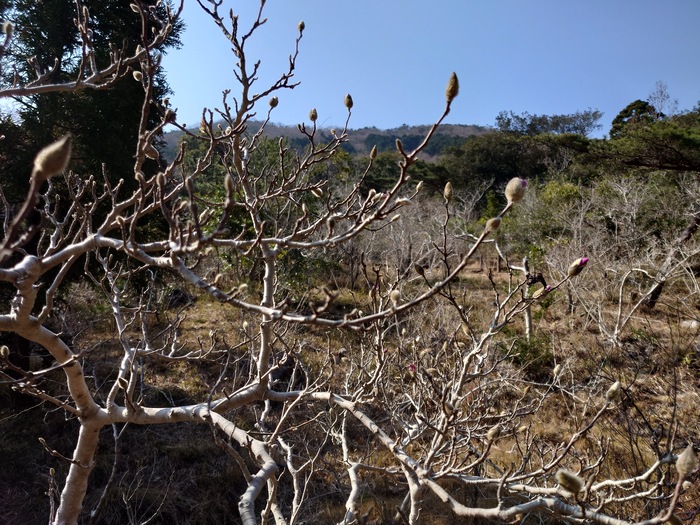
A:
<point x="425" y="393"/>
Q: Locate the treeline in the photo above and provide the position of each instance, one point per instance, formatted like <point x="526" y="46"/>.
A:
<point x="534" y="147"/>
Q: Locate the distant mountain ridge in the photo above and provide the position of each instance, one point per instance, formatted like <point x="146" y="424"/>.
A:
<point x="361" y="140"/>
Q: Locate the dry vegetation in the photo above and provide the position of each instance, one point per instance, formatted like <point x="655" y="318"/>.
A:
<point x="253" y="342"/>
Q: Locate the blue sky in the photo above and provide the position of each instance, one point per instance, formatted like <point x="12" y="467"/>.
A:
<point x="395" y="57"/>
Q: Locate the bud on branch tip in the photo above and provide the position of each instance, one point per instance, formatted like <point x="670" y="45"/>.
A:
<point x="515" y="190"/>
<point x="569" y="481"/>
<point x="54" y="158"/>
<point x="687" y="462"/>
<point x="577" y="266"/>
<point x="452" y="88"/>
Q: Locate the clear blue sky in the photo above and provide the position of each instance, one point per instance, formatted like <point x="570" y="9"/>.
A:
<point x="395" y="57"/>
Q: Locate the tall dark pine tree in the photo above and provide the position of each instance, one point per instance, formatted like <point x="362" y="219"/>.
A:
<point x="104" y="123"/>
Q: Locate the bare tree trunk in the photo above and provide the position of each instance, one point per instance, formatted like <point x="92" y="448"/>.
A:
<point x="77" y="481"/>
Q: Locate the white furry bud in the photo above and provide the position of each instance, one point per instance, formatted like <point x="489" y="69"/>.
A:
<point x="687" y="462"/>
<point x="54" y="158"/>
<point x="613" y="392"/>
<point x="515" y="190"/>
<point x="569" y="481"/>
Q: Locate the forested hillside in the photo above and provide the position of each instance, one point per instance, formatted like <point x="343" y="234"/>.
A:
<point x="360" y="141"/>
<point x="254" y="323"/>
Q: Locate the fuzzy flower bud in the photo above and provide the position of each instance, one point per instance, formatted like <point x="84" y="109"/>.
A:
<point x="54" y="158"/>
<point x="373" y="153"/>
<point x="4" y="352"/>
<point x="541" y="292"/>
<point x="301" y="26"/>
<point x="138" y="76"/>
<point x="313" y="115"/>
<point x="569" y="481"/>
<point x="493" y="433"/>
<point x="394" y="296"/>
<point x="576" y="267"/>
<point x="447" y="192"/>
<point x="273" y="102"/>
<point x="515" y="190"/>
<point x="452" y="88"/>
<point x="613" y="392"/>
<point x="687" y="462"/>
<point x="492" y="225"/>
<point x="348" y="101"/>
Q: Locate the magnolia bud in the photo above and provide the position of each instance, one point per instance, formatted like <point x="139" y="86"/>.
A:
<point x="569" y="481"/>
<point x="687" y="462"/>
<point x="556" y="370"/>
<point x="493" y="433"/>
<point x="301" y="26"/>
<point x="373" y="153"/>
<point x="419" y="186"/>
<point x="576" y="266"/>
<point x="541" y="292"/>
<point x="313" y="115"/>
<point x="54" y="158"/>
<point x="348" y="101"/>
<point x="515" y="190"/>
<point x="123" y="383"/>
<point x="492" y="225"/>
<point x="447" y="192"/>
<point x="613" y="392"/>
<point x="452" y="88"/>
<point x="274" y="101"/>
<point x="394" y="296"/>
<point x="138" y="76"/>
<point x="4" y="352"/>
<point x="134" y="8"/>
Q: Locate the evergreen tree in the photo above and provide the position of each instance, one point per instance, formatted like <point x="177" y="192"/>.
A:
<point x="104" y="123"/>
